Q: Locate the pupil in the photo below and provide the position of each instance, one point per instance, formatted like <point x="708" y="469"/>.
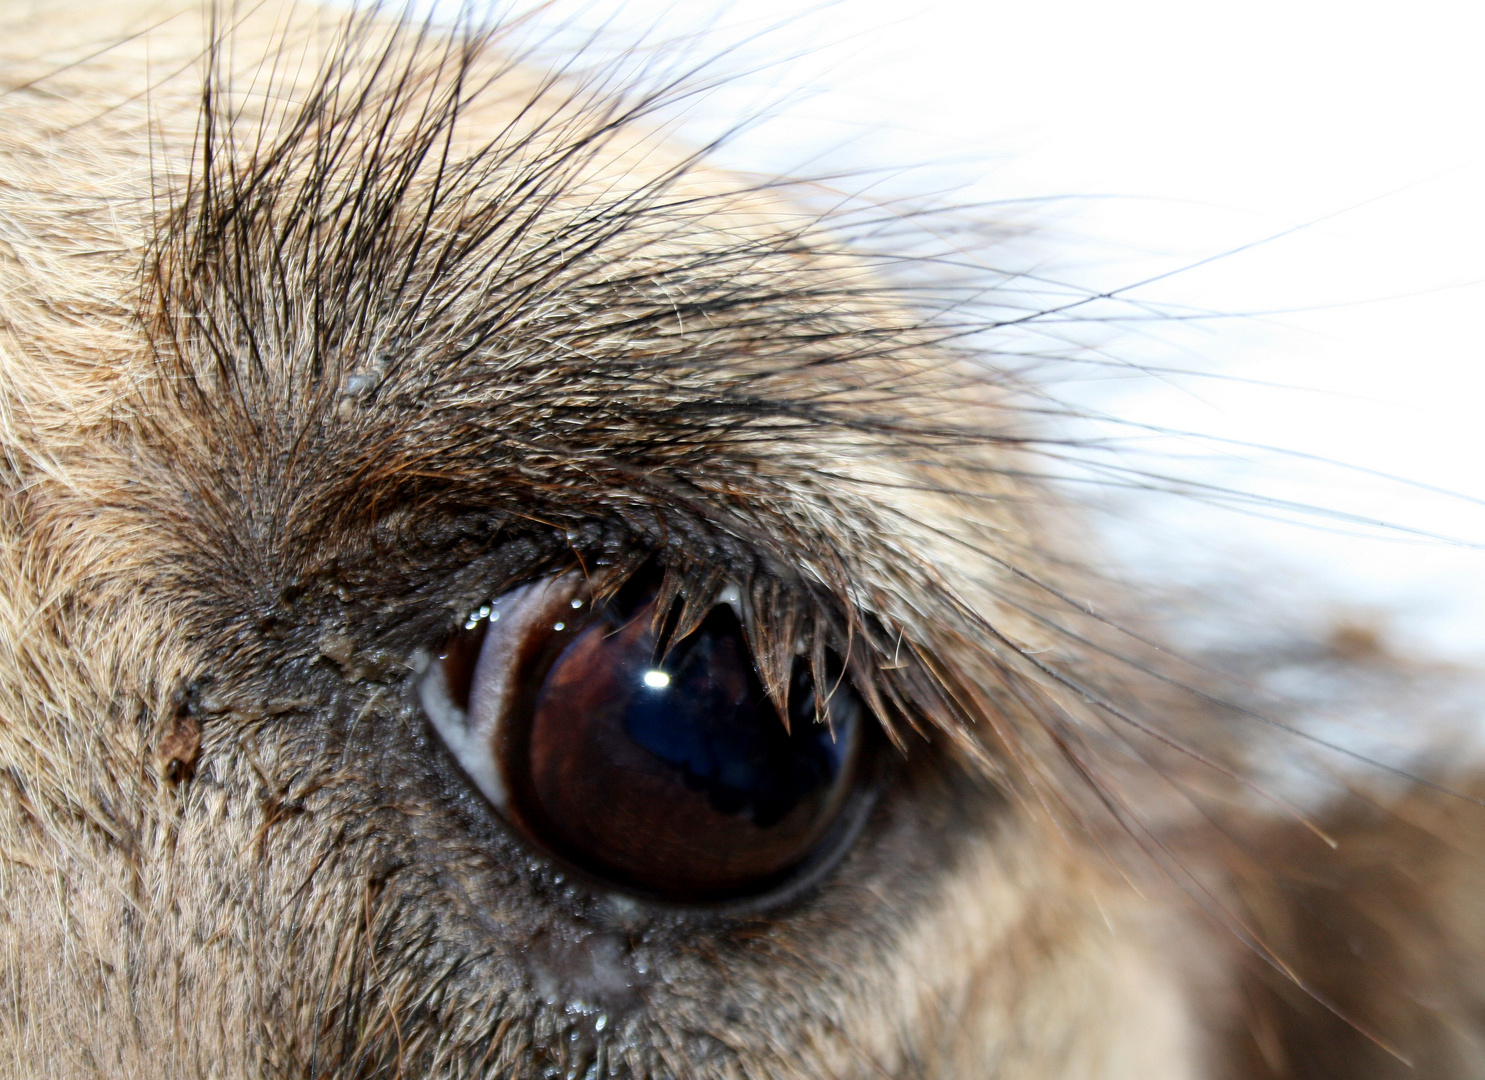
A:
<point x="679" y="777"/>
<point x="714" y="723"/>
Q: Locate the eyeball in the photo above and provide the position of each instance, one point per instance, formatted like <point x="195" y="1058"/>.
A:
<point x="667" y="773"/>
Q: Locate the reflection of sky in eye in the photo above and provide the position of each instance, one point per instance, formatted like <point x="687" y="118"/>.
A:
<point x="717" y="727"/>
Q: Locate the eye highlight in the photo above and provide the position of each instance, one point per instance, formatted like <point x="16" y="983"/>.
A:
<point x="668" y="772"/>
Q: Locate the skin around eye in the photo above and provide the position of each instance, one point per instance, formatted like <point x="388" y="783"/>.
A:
<point x="666" y="772"/>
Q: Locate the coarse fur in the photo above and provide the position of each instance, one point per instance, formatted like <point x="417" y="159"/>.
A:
<point x="322" y="328"/>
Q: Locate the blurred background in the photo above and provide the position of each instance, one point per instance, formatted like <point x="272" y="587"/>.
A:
<point x="1285" y="200"/>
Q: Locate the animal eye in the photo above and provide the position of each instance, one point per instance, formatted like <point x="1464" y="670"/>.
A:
<point x="668" y="772"/>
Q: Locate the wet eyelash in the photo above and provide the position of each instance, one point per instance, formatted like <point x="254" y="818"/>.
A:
<point x="782" y="622"/>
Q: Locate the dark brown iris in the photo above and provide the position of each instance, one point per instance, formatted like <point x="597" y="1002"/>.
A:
<point x="680" y="777"/>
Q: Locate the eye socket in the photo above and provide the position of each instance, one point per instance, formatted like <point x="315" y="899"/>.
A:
<point x="673" y="777"/>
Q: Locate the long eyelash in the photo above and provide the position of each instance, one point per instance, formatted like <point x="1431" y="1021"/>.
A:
<point x="778" y="619"/>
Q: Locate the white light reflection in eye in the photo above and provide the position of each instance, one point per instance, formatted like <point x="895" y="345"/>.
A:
<point x="658" y="680"/>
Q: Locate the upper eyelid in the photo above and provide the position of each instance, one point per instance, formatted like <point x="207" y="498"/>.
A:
<point x="846" y="319"/>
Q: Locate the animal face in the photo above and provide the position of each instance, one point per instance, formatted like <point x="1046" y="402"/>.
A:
<point x="489" y="595"/>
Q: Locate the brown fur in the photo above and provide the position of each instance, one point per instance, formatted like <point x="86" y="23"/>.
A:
<point x="298" y="369"/>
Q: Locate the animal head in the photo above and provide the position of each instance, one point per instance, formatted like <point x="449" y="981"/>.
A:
<point x="378" y="408"/>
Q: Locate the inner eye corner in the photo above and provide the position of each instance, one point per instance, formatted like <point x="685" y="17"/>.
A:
<point x="657" y="765"/>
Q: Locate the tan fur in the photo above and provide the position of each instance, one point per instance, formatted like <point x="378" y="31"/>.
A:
<point x="228" y="849"/>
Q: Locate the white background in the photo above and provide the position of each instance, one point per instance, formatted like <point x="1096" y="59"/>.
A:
<point x="1335" y="150"/>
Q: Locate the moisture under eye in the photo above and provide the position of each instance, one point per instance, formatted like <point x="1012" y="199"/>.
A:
<point x="669" y="773"/>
